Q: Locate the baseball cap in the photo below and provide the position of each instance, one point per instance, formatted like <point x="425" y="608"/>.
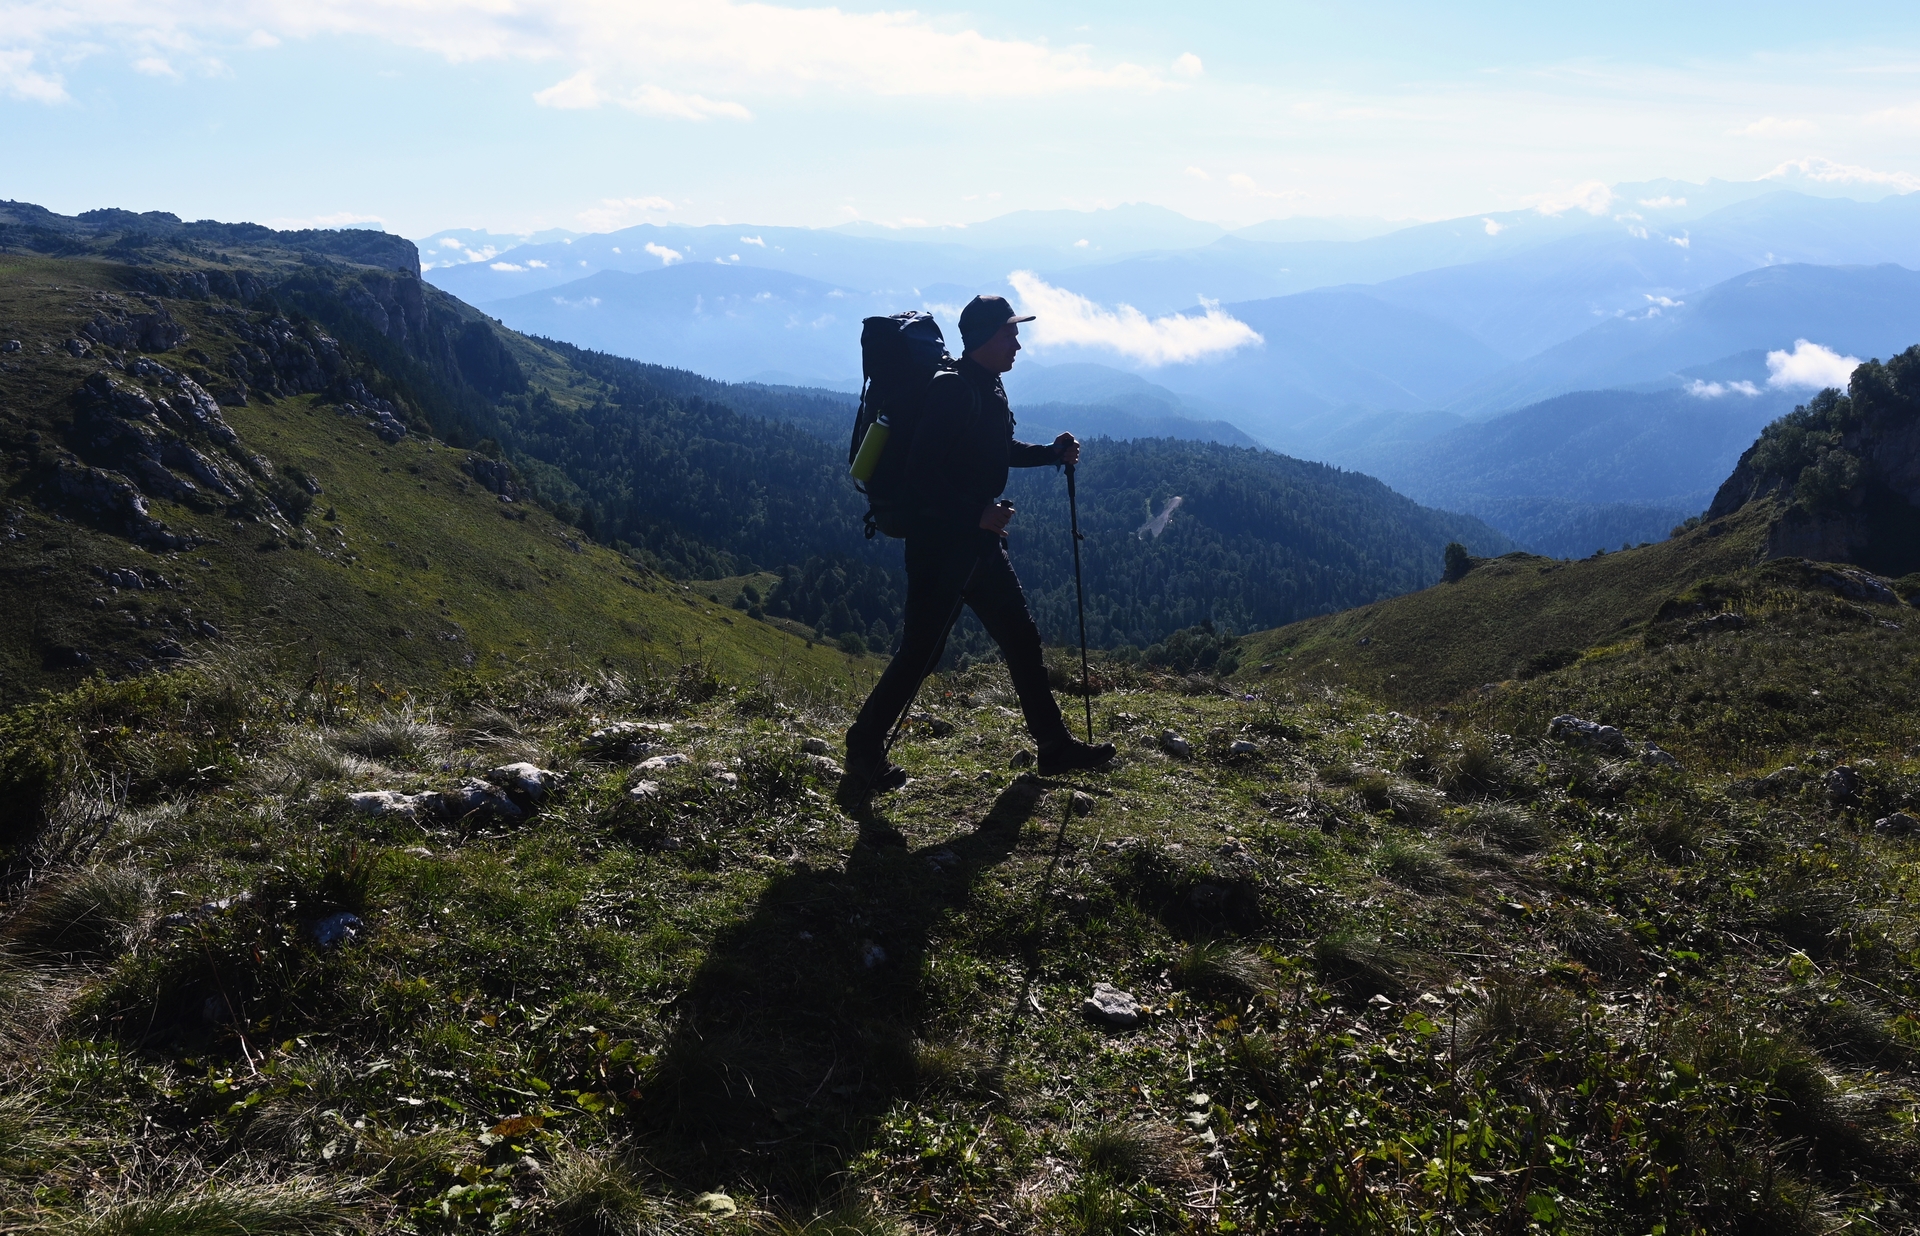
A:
<point x="982" y="319"/>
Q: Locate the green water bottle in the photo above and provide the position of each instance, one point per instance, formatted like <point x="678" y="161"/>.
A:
<point x="871" y="448"/>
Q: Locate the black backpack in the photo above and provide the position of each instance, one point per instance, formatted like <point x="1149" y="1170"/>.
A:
<point x="899" y="358"/>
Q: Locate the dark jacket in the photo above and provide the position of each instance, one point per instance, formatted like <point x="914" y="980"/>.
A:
<point x="963" y="448"/>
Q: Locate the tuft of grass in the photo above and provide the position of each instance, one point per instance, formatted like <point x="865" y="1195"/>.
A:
<point x="1221" y="967"/>
<point x="299" y="1207"/>
<point x="1417" y="866"/>
<point x="1141" y="1150"/>
<point x="954" y="1068"/>
<point x="1520" y="1022"/>
<point x="399" y="737"/>
<point x="590" y="1193"/>
<point x="854" y="1220"/>
<point x="1362" y="962"/>
<point x="88" y="917"/>
<point x="1600" y="943"/>
<point x="1476" y="769"/>
<point x="1514" y="829"/>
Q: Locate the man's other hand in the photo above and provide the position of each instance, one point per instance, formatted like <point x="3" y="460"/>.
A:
<point x="1068" y="448"/>
<point x="996" y="517"/>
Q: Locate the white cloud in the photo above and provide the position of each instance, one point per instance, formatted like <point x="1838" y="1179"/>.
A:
<point x="1826" y="171"/>
<point x="1251" y="187"/>
<point x="536" y="264"/>
<point x="1064" y="318"/>
<point x="155" y="66"/>
<point x="1665" y="302"/>
<point x="1685" y="242"/>
<point x="505" y="266"/>
<point x="262" y="40"/>
<point x="667" y="256"/>
<point x="1663" y="202"/>
<point x="19" y="79"/>
<point x="1494" y="226"/>
<point x="1592" y="196"/>
<point x="1079" y="244"/>
<point x="338" y="219"/>
<point x="617" y="212"/>
<point x="1809" y="366"/>
<point x="1773" y="126"/>
<point x="1907" y="117"/>
<point x="1198" y="173"/>
<point x="1714" y="390"/>
<point x="1188" y="65"/>
<point x="585" y="302"/>
<point x="677" y="58"/>
<point x="753" y="240"/>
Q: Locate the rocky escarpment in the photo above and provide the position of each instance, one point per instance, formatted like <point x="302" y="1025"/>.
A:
<point x="1843" y="471"/>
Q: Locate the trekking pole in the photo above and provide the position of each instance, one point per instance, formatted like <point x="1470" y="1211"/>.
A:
<point x="1080" y="591"/>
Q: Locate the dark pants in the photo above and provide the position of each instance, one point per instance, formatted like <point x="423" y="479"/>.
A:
<point x="940" y="570"/>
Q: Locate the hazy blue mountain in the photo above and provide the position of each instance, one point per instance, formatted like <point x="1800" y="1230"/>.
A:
<point x="1076" y="235"/>
<point x="1861" y="310"/>
<point x="1328" y="350"/>
<point x="1578" y="472"/>
<point x="1042" y="422"/>
<point x="729" y="322"/>
<point x="1308" y="227"/>
<point x="1032" y="382"/>
<point x="459" y="246"/>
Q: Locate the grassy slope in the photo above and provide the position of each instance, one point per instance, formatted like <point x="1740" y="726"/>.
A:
<point x="1703" y="992"/>
<point x="506" y="581"/>
<point x="1430" y="646"/>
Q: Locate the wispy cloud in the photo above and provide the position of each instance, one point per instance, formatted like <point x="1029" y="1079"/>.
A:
<point x="662" y="59"/>
<point x="1064" y="318"/>
<point x="20" y="80"/>
<point x="1774" y="126"/>
<point x="1809" y="367"/>
<point x="1592" y="196"/>
<point x="1826" y="171"/>
<point x="1248" y="185"/>
<point x="1717" y="390"/>
<point x="667" y="256"/>
<point x="1188" y="65"/>
<point x="1906" y="117"/>
<point x="618" y="212"/>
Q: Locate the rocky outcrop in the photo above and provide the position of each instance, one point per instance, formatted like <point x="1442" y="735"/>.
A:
<point x="142" y="332"/>
<point x="1843" y="472"/>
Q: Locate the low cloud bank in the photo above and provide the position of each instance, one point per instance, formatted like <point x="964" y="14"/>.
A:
<point x="1809" y="367"/>
<point x="1065" y="318"/>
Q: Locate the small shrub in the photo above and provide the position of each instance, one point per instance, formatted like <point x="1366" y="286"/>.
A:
<point x="402" y="737"/>
<point x="1475" y="769"/>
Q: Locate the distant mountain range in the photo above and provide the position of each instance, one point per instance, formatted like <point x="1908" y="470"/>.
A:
<point x="1377" y="342"/>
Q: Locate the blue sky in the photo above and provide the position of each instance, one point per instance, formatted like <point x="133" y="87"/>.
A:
<point x="592" y="114"/>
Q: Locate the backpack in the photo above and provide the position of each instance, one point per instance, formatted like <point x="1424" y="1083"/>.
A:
<point x="899" y="358"/>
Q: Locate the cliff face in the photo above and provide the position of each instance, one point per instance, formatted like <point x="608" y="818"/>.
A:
<point x="1843" y="471"/>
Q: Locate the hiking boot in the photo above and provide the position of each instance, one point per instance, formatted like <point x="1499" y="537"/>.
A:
<point x="866" y="777"/>
<point x="876" y="835"/>
<point x="1072" y="755"/>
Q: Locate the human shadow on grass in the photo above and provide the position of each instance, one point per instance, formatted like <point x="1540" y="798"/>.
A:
<point x="799" y="1030"/>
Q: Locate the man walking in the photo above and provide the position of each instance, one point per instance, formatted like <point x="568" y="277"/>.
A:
<point x="956" y="547"/>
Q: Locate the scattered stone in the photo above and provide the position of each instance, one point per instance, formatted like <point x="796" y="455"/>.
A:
<point x="390" y="802"/>
<point x="1083" y="803"/>
<point x="624" y="738"/>
<point x="1236" y="850"/>
<point x="478" y="801"/>
<point x="1590" y="734"/>
<point x="1657" y="756"/>
<point x="1856" y="586"/>
<point x="524" y="781"/>
<point x="815" y="746"/>
<point x="1111" y="1005"/>
<point x="943" y="860"/>
<point x="715" y="1205"/>
<point x="1726" y="622"/>
<point x="1175" y="746"/>
<point x="1899" y="824"/>
<point x="1242" y="747"/>
<point x="1022" y="758"/>
<point x="660" y="763"/>
<point x="643" y="790"/>
<point x="336" y="929"/>
<point x="1843" y="784"/>
<point x="725" y="776"/>
<point x="824" y="767"/>
<point x="205" y="910"/>
<point x="11" y="345"/>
